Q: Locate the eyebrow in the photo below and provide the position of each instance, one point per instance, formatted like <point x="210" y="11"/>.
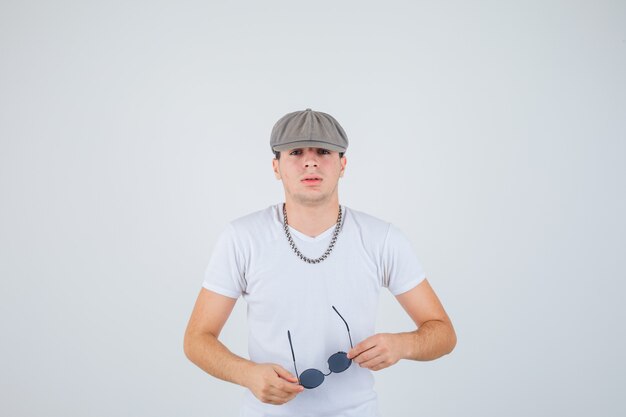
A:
<point x="319" y="149"/>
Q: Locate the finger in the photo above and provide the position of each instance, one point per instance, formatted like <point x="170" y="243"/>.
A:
<point x="380" y="366"/>
<point x="364" y="346"/>
<point x="291" y="396"/>
<point x="288" y="387"/>
<point x="355" y="351"/>
<point x="279" y="394"/>
<point x="378" y="360"/>
<point x="367" y="355"/>
<point x="274" y="399"/>
<point x="273" y="394"/>
<point x="278" y="400"/>
<point x="285" y="374"/>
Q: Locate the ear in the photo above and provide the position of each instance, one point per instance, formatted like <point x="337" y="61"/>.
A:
<point x="276" y="168"/>
<point x="343" y="162"/>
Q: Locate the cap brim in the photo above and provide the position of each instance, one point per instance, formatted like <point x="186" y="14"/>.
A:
<point x="308" y="144"/>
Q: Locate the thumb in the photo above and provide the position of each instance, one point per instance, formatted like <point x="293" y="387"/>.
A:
<point x="285" y="374"/>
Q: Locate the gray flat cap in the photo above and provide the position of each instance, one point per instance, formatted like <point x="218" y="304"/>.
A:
<point x="308" y="128"/>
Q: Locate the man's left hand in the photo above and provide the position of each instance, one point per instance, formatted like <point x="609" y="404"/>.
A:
<point x="377" y="352"/>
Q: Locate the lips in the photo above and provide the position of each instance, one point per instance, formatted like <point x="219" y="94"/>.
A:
<point x="312" y="179"/>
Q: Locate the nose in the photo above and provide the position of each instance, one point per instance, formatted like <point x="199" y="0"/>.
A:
<point x="310" y="159"/>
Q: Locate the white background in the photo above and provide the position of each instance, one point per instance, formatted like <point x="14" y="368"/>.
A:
<point x="493" y="133"/>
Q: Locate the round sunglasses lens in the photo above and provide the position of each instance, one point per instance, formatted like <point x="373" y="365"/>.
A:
<point x="339" y="362"/>
<point x="311" y="378"/>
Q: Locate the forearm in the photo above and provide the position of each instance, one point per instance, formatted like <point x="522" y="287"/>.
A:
<point x="432" y="340"/>
<point x="209" y="354"/>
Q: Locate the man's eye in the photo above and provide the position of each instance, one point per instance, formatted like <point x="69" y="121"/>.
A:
<point x="295" y="152"/>
<point x="324" y="151"/>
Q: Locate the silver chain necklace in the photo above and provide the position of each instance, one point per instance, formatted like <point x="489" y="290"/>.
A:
<point x="297" y="251"/>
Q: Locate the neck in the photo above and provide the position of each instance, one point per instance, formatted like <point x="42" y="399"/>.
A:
<point x="312" y="219"/>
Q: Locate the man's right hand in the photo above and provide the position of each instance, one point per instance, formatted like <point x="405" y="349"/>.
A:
<point x="273" y="384"/>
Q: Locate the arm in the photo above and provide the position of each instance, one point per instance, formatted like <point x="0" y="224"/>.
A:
<point x="433" y="338"/>
<point x="435" y="335"/>
<point x="270" y="383"/>
<point x="201" y="345"/>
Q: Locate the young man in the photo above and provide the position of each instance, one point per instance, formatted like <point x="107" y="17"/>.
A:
<point x="310" y="271"/>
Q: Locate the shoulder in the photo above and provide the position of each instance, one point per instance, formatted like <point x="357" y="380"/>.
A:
<point x="260" y="216"/>
<point x="368" y="227"/>
<point x="374" y="227"/>
<point x="261" y="223"/>
<point x="366" y="221"/>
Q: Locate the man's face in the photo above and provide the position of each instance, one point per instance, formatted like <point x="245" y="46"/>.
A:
<point x="309" y="175"/>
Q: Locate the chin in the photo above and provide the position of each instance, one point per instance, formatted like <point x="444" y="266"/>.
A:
<point x="310" y="199"/>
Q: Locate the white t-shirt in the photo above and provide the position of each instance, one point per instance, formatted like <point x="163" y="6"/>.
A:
<point x="253" y="259"/>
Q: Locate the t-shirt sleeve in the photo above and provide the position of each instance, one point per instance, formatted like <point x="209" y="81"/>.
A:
<point x="402" y="270"/>
<point x="225" y="273"/>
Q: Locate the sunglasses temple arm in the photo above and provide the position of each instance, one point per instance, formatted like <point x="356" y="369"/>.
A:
<point x="293" y="356"/>
<point x="344" y="320"/>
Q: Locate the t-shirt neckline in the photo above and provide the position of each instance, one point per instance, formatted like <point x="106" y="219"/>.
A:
<point x="308" y="238"/>
<point x="296" y="233"/>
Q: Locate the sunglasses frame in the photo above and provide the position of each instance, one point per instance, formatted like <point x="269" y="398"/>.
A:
<point x="329" y="359"/>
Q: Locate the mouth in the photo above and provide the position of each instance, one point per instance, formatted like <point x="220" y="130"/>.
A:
<point x="312" y="180"/>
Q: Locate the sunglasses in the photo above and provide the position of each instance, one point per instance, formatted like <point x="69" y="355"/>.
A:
<point x="338" y="362"/>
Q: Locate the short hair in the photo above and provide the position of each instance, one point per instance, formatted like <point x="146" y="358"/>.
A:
<point x="277" y="154"/>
